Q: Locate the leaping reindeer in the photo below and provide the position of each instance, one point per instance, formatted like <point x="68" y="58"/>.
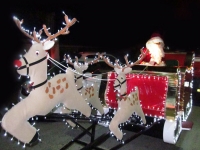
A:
<point x="129" y="103"/>
<point x="89" y="93"/>
<point x="45" y="94"/>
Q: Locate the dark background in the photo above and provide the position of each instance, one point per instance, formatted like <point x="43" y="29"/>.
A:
<point x="111" y="24"/>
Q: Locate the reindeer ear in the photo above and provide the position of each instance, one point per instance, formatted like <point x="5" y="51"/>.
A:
<point x="48" y="44"/>
<point x="76" y="65"/>
<point x="84" y="67"/>
<point x="117" y="70"/>
<point x="127" y="70"/>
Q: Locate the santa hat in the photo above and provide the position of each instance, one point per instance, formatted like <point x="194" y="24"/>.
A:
<point x="155" y="38"/>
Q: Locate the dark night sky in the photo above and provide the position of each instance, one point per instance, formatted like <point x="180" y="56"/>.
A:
<point x="121" y="25"/>
<point x="117" y="24"/>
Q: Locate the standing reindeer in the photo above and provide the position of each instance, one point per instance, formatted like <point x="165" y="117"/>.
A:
<point x="45" y="94"/>
<point x="129" y="103"/>
<point x="89" y="93"/>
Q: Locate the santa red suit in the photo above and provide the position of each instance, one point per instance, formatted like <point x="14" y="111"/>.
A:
<point x="154" y="51"/>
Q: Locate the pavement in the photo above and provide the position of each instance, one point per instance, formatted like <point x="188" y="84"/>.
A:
<point x="56" y="134"/>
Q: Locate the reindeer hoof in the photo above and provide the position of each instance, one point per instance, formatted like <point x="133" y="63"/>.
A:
<point x="110" y="113"/>
<point x="34" y="141"/>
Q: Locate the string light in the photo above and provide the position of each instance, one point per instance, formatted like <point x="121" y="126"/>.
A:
<point x="5" y="134"/>
<point x="152" y="108"/>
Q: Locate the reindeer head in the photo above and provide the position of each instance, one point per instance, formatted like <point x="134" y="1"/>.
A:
<point x="37" y="55"/>
<point x="80" y="67"/>
<point x="122" y="71"/>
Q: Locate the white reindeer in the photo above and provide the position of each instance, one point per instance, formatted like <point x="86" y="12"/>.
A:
<point x="45" y="94"/>
<point x="129" y="103"/>
<point x="88" y="92"/>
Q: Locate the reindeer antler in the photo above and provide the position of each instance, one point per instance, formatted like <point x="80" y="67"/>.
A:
<point x="68" y="59"/>
<point x="96" y="59"/>
<point x="63" y="31"/>
<point x="76" y="60"/>
<point x="141" y="58"/>
<point x="107" y="61"/>
<point x="34" y="37"/>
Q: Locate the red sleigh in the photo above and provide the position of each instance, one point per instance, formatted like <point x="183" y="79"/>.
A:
<point x="152" y="92"/>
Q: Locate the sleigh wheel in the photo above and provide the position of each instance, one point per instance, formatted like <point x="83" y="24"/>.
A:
<point x="172" y="130"/>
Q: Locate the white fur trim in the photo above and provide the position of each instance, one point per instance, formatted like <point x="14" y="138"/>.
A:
<point x="154" y="40"/>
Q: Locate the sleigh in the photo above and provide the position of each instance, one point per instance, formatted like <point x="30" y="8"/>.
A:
<point x="165" y="93"/>
<point x="165" y="96"/>
<point x="135" y="97"/>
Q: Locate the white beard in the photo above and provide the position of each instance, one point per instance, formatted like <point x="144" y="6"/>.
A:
<point x="156" y="52"/>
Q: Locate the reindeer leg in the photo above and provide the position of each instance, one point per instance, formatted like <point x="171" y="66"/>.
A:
<point x="15" y="122"/>
<point x="140" y="113"/>
<point x="123" y="113"/>
<point x="73" y="99"/>
<point x="67" y="111"/>
<point x="96" y="103"/>
<point x="137" y="106"/>
<point x="76" y="101"/>
<point x="95" y="100"/>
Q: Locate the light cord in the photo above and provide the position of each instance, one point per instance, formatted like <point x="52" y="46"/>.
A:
<point x="56" y="63"/>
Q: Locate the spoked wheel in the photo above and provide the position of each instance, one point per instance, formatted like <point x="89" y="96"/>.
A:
<point x="172" y="130"/>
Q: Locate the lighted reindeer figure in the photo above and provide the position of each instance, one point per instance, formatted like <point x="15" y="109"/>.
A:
<point x="45" y="94"/>
<point x="90" y="92"/>
<point x="129" y="103"/>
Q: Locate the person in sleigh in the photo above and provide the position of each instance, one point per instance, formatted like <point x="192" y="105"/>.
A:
<point x="154" y="51"/>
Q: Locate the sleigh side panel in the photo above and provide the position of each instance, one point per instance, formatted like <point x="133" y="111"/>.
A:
<point x="152" y="92"/>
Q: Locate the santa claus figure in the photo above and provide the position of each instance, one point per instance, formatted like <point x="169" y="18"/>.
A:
<point x="154" y="51"/>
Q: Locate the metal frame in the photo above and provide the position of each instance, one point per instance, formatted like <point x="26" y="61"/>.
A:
<point x="91" y="130"/>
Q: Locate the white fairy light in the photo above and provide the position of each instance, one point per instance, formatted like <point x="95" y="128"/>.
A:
<point x="6" y="109"/>
<point x="5" y="134"/>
